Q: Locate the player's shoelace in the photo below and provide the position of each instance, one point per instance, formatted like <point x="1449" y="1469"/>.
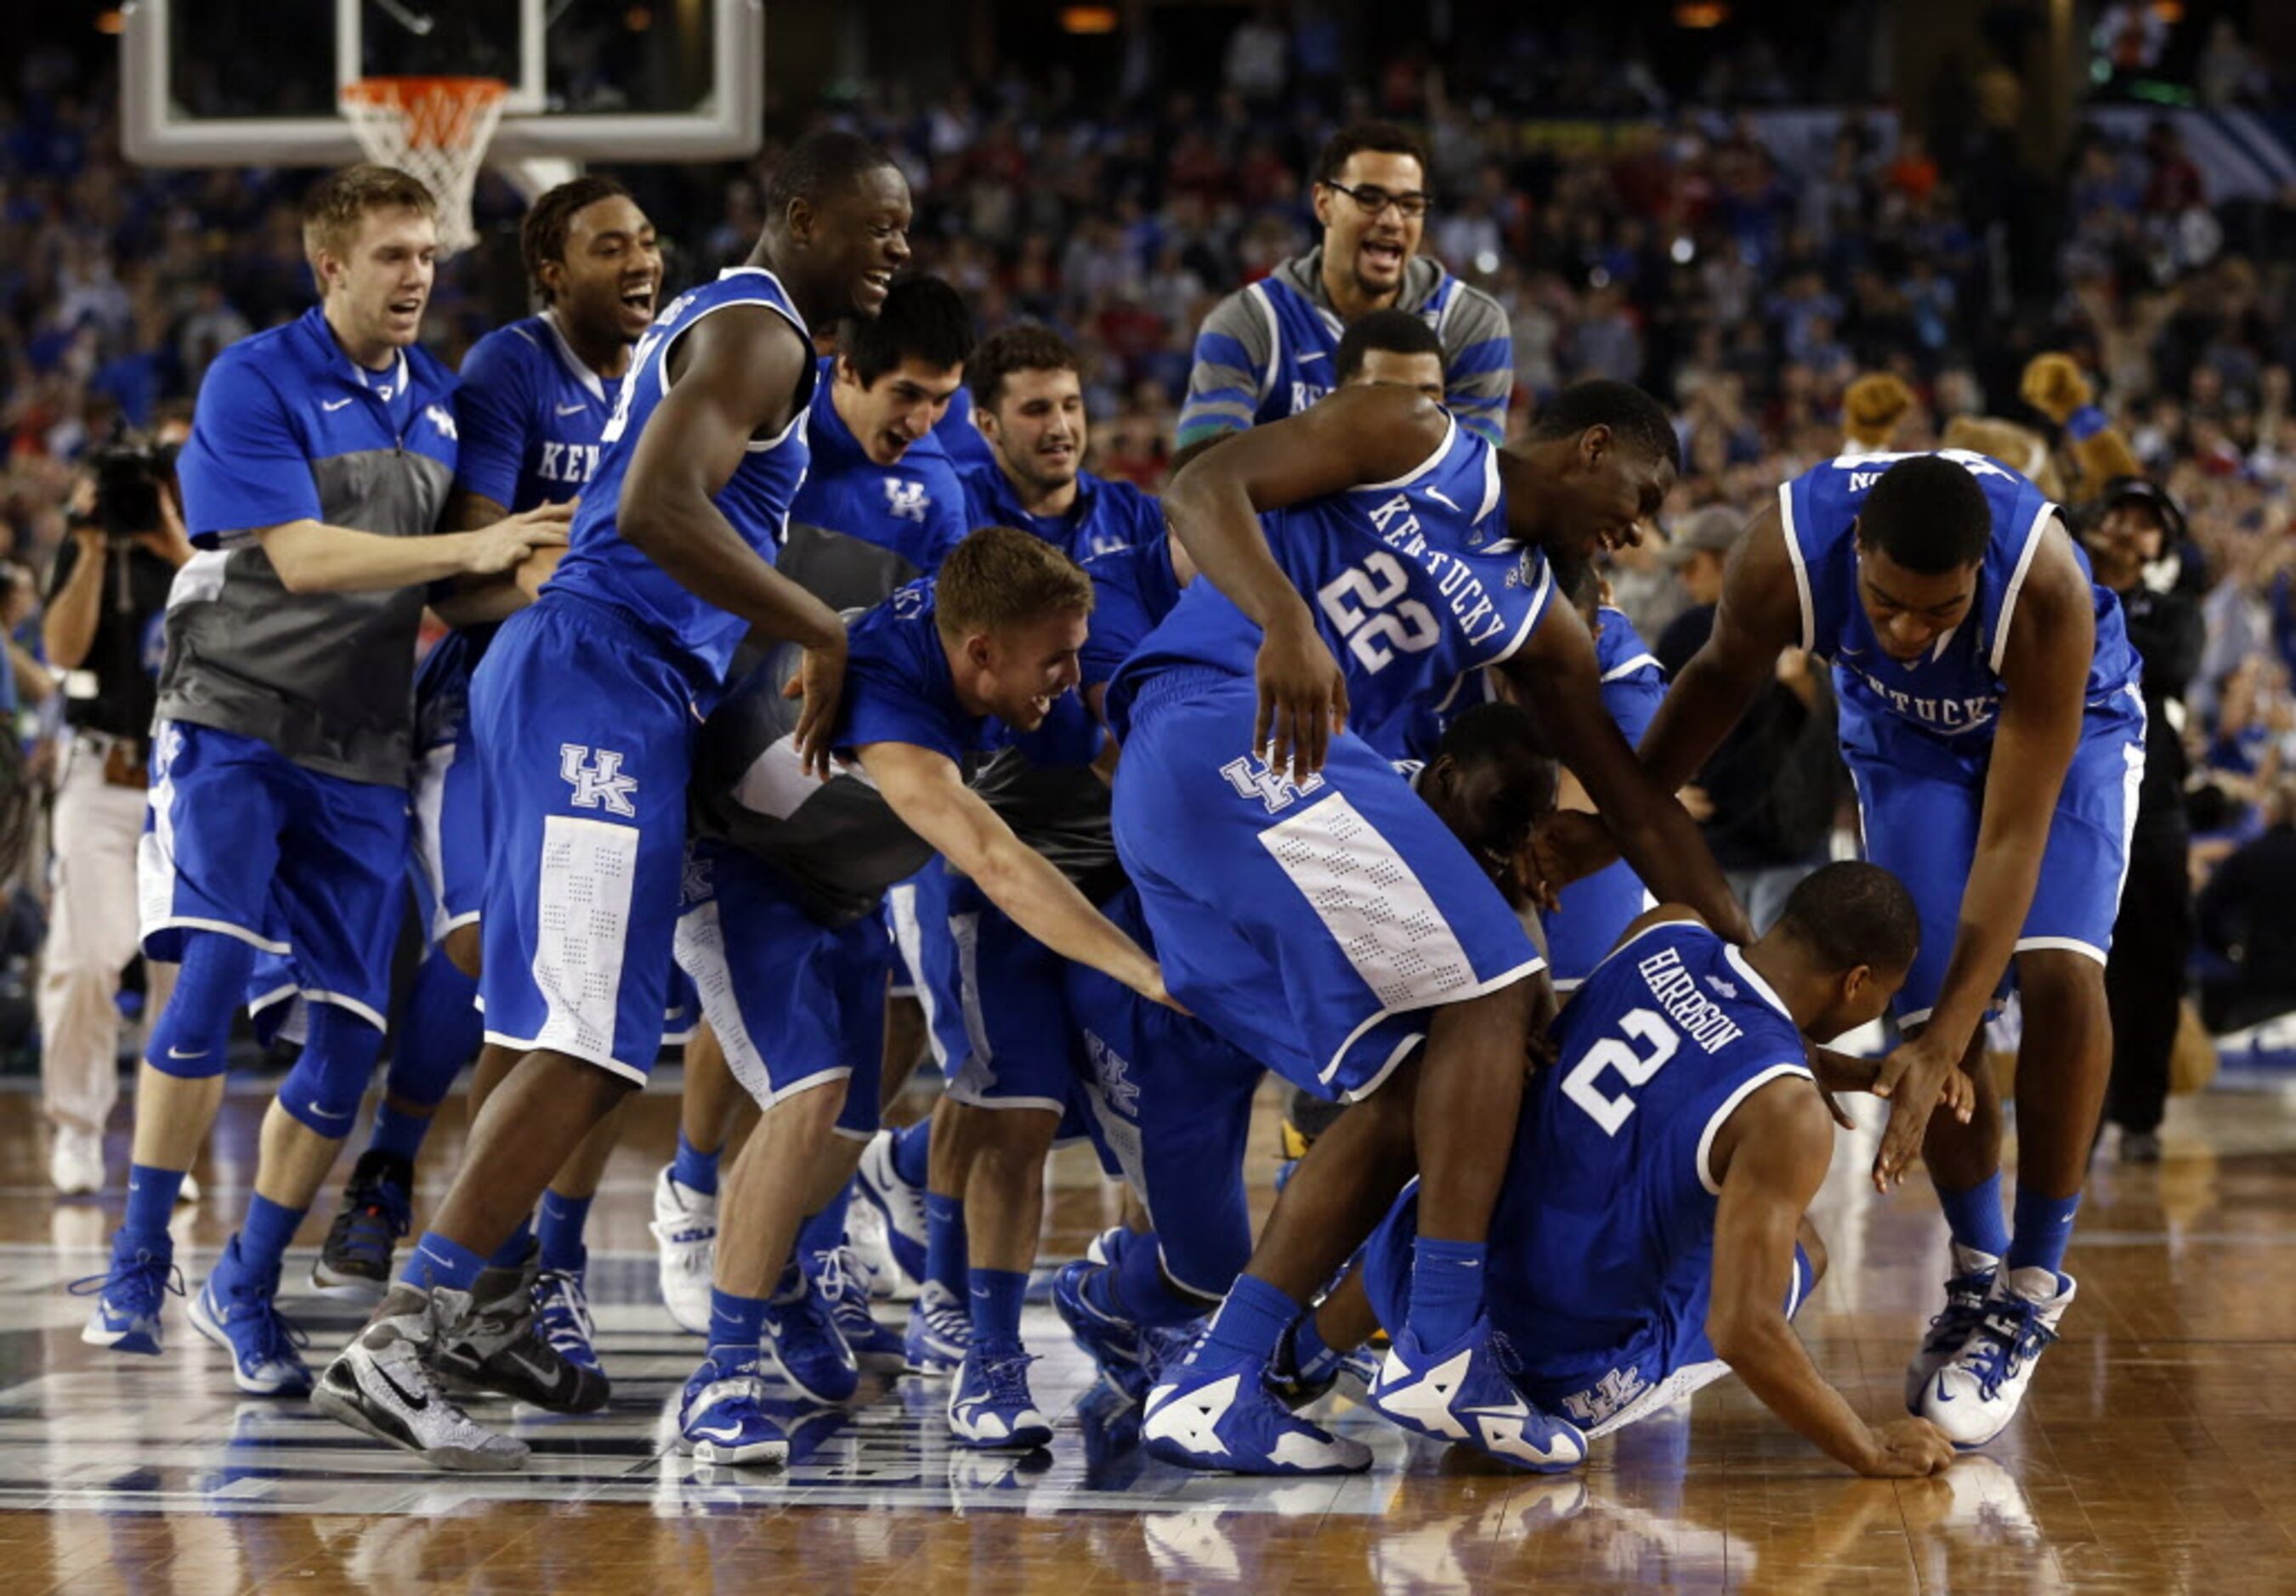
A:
<point x="561" y="1307"/>
<point x="1963" y="1311"/>
<point x="2009" y="1336"/>
<point x="1004" y="1378"/>
<point x="141" y="1281"/>
<point x="262" y="1331"/>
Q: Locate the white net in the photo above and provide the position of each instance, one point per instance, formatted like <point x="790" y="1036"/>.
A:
<point x="436" y="129"/>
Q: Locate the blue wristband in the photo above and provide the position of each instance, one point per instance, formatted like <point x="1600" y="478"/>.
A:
<point x="2086" y="423"/>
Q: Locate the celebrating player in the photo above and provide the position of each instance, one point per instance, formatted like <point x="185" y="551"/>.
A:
<point x="584" y="711"/>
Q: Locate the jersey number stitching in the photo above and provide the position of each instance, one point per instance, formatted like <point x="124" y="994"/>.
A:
<point x="1374" y="639"/>
<point x="1613" y="1052"/>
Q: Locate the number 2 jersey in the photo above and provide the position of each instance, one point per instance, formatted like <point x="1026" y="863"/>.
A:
<point x="1953" y="692"/>
<point x="1602" y="1245"/>
<point x="1414" y="584"/>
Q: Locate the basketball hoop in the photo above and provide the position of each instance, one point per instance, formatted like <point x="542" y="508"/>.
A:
<point x="433" y="129"/>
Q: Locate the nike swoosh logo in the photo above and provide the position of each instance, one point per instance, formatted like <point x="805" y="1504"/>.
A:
<point x="317" y="1112"/>
<point x="572" y="409"/>
<point x="729" y="1432"/>
<point x="1439" y="496"/>
<point x="331" y="405"/>
<point x="1316" y="354"/>
<point x="414" y="1403"/>
<point x="177" y="1052"/>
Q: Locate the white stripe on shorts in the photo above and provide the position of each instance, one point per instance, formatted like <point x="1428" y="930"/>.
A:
<point x="583" y="916"/>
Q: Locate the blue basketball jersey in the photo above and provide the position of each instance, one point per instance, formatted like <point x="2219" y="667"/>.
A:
<point x="1953" y="692"/>
<point x="1308" y="342"/>
<point x="1601" y="1244"/>
<point x="960" y="437"/>
<point x="1414" y="584"/>
<point x="1106" y="515"/>
<point x="915" y="507"/>
<point x="601" y="567"/>
<point x="531" y="414"/>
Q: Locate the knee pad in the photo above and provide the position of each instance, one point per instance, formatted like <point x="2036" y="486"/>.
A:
<point x="323" y="1089"/>
<point x="192" y="1040"/>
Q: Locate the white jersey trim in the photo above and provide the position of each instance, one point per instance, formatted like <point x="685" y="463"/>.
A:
<point x="573" y="363"/>
<point x="1627" y="668"/>
<point x="1801" y="568"/>
<point x="1539" y="604"/>
<point x="2033" y="534"/>
<point x="661" y="365"/>
<point x="1762" y="988"/>
<point x="1746" y="1088"/>
<point x="1450" y="437"/>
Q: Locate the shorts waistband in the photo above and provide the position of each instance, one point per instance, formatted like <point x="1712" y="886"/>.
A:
<point x="1175" y="681"/>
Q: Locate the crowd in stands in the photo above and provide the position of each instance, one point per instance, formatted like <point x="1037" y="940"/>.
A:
<point x="1670" y="247"/>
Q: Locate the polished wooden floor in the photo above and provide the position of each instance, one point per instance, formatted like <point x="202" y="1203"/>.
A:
<point x="2158" y="1452"/>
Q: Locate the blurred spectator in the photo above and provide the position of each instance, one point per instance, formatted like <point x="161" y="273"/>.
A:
<point x="2244" y="919"/>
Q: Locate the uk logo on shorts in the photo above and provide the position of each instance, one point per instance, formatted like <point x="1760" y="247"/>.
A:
<point x="1251" y="778"/>
<point x="1598" y="1402"/>
<point x="597" y="779"/>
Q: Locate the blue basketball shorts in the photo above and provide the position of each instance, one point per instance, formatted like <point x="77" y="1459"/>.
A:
<point x="450" y="842"/>
<point x="795" y="1004"/>
<point x="1012" y="992"/>
<point x="1172" y="1103"/>
<point x="916" y="917"/>
<point x="585" y="725"/>
<point x="1920" y="801"/>
<point x="241" y="839"/>
<point x="1311" y="925"/>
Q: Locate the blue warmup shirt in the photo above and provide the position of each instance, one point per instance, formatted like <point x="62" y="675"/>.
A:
<point x="1133" y="589"/>
<point x="1107" y="515"/>
<point x="602" y="568"/>
<point x="916" y="508"/>
<point x="289" y="429"/>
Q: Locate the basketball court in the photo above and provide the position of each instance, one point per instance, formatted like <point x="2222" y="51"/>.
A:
<point x="2155" y="1452"/>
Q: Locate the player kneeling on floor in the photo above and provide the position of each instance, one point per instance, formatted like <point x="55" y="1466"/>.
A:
<point x="1652" y="1234"/>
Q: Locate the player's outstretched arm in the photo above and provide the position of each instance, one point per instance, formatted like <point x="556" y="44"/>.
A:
<point x="1353" y="438"/>
<point x="1771" y="1157"/>
<point x="313" y="557"/>
<point x="734" y="376"/>
<point x="926" y="791"/>
<point x="1555" y="675"/>
<point x="482" y="600"/>
<point x="2043" y="690"/>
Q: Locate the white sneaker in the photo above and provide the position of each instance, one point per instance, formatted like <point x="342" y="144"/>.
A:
<point x="75" y="1161"/>
<point x="865" y="1238"/>
<point x="382" y="1385"/>
<point x="901" y="1205"/>
<point x="685" y="1229"/>
<point x="1973" y="1397"/>
<point x="1950" y="1330"/>
<point x="188" y="1193"/>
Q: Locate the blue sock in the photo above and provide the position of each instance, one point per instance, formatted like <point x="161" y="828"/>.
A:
<point x="1974" y="1215"/>
<point x="693" y="1169"/>
<point x="560" y="1232"/>
<point x="912" y="1151"/>
<point x="1311" y="1358"/>
<point x="398" y="1134"/>
<point x="512" y="1253"/>
<point x="1447" y="1290"/>
<point x="151" y="1198"/>
<point x="264" y="1235"/>
<point x="437" y="1262"/>
<point x="997" y="1295"/>
<point x="945" y="1246"/>
<point x="825" y="1231"/>
<point x="1247" y="1327"/>
<point x="736" y="1323"/>
<point x="1135" y="1287"/>
<point x="2044" y="1225"/>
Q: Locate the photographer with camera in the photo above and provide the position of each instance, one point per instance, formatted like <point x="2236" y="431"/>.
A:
<point x="107" y="601"/>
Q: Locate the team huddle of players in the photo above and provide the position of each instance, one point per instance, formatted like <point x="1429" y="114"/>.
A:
<point x="839" y="675"/>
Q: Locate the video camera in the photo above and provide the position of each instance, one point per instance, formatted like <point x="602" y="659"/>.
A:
<point x="129" y="474"/>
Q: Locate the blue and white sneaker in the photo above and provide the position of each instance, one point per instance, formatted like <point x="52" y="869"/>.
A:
<point x="1973" y="1397"/>
<point x="1116" y="1346"/>
<point x="1949" y="1332"/>
<point x="990" y="1407"/>
<point x="561" y="1314"/>
<point x="805" y="1340"/>
<point x="839" y="1280"/>
<point x="722" y="1418"/>
<point x="900" y="1205"/>
<point x="354" y="1262"/>
<point x="128" y="1295"/>
<point x="941" y="1328"/>
<point x="1461" y="1395"/>
<point x="1228" y="1419"/>
<point x="239" y="1311"/>
<point x="1108" y="1247"/>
